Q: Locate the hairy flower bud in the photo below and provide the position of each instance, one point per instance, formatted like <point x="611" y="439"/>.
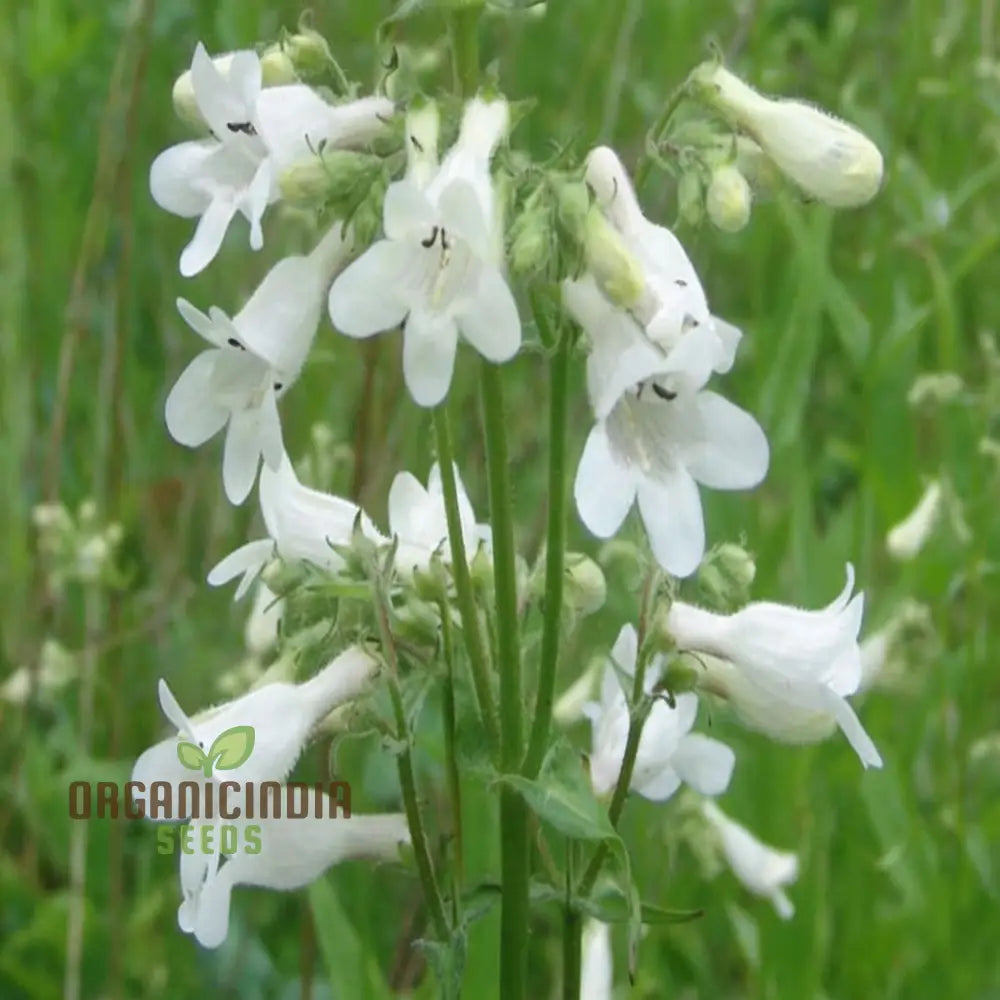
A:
<point x="585" y="589"/>
<point x="691" y="197"/>
<point x="617" y="272"/>
<point x="308" y="51"/>
<point x="728" y="199"/>
<point x="726" y="575"/>
<point x="826" y="158"/>
<point x="334" y="175"/>
<point x="530" y="242"/>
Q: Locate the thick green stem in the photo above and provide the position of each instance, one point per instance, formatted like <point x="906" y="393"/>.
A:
<point x="572" y="953"/>
<point x="451" y="759"/>
<point x="514" y="843"/>
<point x="471" y="631"/>
<point x="555" y="546"/>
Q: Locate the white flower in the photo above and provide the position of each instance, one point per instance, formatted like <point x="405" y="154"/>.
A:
<point x="827" y="158"/>
<point x="281" y="715"/>
<point x="437" y="270"/>
<point x="669" y="753"/>
<point x="785" y="671"/>
<point x="254" y="359"/>
<point x="763" y="870"/>
<point x="417" y="518"/>
<point x="656" y="437"/>
<point x="303" y="525"/>
<point x="255" y="133"/>
<point x="907" y="538"/>
<point x="293" y="852"/>
<point x="264" y="621"/>
<point x="596" y="969"/>
<point x="673" y="303"/>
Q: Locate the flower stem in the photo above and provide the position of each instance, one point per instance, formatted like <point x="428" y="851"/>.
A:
<point x="656" y="133"/>
<point x="463" y="582"/>
<point x="454" y="783"/>
<point x="555" y="546"/>
<point x="572" y="930"/>
<point x="463" y="29"/>
<point x="514" y="843"/>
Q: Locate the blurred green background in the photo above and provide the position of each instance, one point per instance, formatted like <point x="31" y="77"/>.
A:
<point x="900" y="877"/>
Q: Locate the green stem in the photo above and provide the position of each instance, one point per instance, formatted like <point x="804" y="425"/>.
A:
<point x="514" y="842"/>
<point x="407" y="780"/>
<point x="572" y="930"/>
<point x="463" y="29"/>
<point x="454" y="782"/>
<point x="555" y="548"/>
<point x="478" y="663"/>
<point x="656" y="133"/>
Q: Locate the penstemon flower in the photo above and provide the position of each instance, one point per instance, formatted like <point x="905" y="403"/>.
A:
<point x="303" y="525"/>
<point x="263" y="624"/>
<point x="437" y="271"/>
<point x="669" y="753"/>
<point x="785" y="671"/>
<point x="253" y="360"/>
<point x="762" y="870"/>
<point x="293" y="852"/>
<point x="656" y="437"/>
<point x="255" y="133"/>
<point x="281" y="718"/>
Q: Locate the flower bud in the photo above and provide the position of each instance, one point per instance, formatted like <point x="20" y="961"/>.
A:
<point x="764" y="178"/>
<point x="691" y="197"/>
<point x="418" y="621"/>
<point x="573" y="208"/>
<point x="909" y="536"/>
<point x="726" y="575"/>
<point x="585" y="587"/>
<point x="728" y="199"/>
<point x="275" y="66"/>
<point x="334" y="175"/>
<point x="306" y="49"/>
<point x="826" y="158"/>
<point x="935" y="389"/>
<point x="530" y="240"/>
<point x="617" y="273"/>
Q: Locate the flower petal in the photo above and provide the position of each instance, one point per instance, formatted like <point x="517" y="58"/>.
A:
<point x="704" y="764"/>
<point x="248" y="559"/>
<point x="191" y="412"/>
<point x="241" y="455"/>
<point x="271" y="445"/>
<point x="159" y="763"/>
<point x="731" y="450"/>
<point x="657" y="785"/>
<point x="429" y="343"/>
<point x="200" y="323"/>
<point x="208" y="236"/>
<point x="370" y="295"/>
<point x="406" y="212"/>
<point x="409" y="508"/>
<point x="172" y="175"/>
<point x="671" y="511"/>
<point x="212" y="923"/>
<point x="489" y="320"/>
<point x="604" y="488"/>
<point x="172" y="710"/>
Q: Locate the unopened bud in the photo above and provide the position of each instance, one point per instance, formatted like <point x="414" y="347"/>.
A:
<point x="757" y="167"/>
<point x="679" y="677"/>
<point x="726" y="575"/>
<point x="430" y="582"/>
<point x="909" y="536"/>
<point x="826" y="158"/>
<point x="617" y="273"/>
<point x="728" y="199"/>
<point x="332" y="176"/>
<point x="531" y="240"/>
<point x="585" y="587"/>
<point x="691" y="197"/>
<point x="307" y="51"/>
<point x="935" y="388"/>
<point x="573" y="209"/>
<point x="417" y="620"/>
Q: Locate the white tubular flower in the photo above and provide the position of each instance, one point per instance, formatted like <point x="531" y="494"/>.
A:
<point x="907" y="538"/>
<point x="789" y="670"/>
<point x="762" y="870"/>
<point x="254" y="359"/>
<point x="293" y="852"/>
<point x="417" y="518"/>
<point x="281" y="718"/>
<point x="826" y="158"/>
<point x="255" y="133"/>
<point x="303" y="525"/>
<point x="437" y="271"/>
<point x="673" y="303"/>
<point x="596" y="968"/>
<point x="669" y="753"/>
<point x="656" y="437"/>
<point x="264" y="621"/>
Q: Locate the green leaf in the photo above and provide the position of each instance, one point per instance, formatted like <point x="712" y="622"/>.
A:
<point x="447" y="958"/>
<point x="612" y="907"/>
<point x="232" y="748"/>
<point x="191" y="755"/>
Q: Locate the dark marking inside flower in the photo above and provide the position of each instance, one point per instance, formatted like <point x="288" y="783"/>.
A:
<point x="664" y="393"/>
<point x="246" y="128"/>
<point x="680" y="282"/>
<point x="417" y="144"/>
<point x="278" y="386"/>
<point x="429" y="242"/>
<point x="445" y="245"/>
<point x="233" y="342"/>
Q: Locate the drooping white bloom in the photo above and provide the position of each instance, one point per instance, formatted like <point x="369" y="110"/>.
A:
<point x="438" y="269"/>
<point x="762" y="870"/>
<point x="303" y="525"/>
<point x="786" y="671"/>
<point x="673" y="303"/>
<point x="417" y="518"/>
<point x="908" y="537"/>
<point x="596" y="968"/>
<point x="255" y="134"/>
<point x="282" y="717"/>
<point x="293" y="852"/>
<point x="657" y="437"/>
<point x="669" y="753"/>
<point x="827" y="158"/>
<point x="253" y="360"/>
<point x="264" y="621"/>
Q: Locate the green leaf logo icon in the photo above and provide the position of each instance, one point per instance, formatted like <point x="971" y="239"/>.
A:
<point x="230" y="749"/>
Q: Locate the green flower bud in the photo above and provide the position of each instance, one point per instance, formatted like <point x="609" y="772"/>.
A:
<point x="573" y="208"/>
<point x="728" y="199"/>
<point x="418" y="621"/>
<point x="585" y="587"/>
<point x="726" y="575"/>
<point x="618" y="274"/>
<point x="691" y="197"/>
<point x="333" y="176"/>
<point x="530" y="243"/>
<point x="307" y="51"/>
<point x="679" y="677"/>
